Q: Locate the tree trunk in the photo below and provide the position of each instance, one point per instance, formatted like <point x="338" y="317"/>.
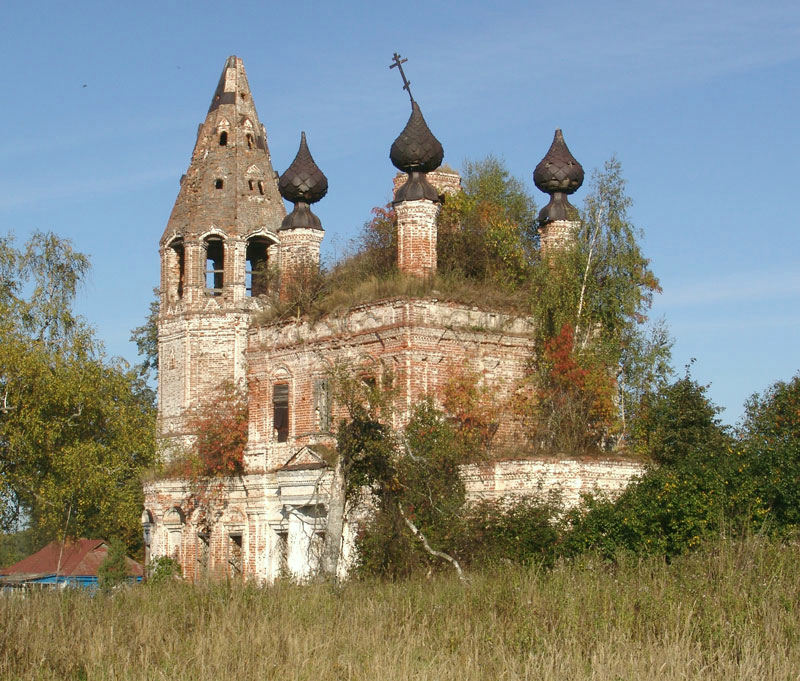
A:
<point x="335" y="527"/>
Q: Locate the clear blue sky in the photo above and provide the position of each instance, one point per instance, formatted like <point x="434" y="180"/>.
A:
<point x="698" y="100"/>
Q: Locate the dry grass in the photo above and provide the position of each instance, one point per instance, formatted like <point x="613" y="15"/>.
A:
<point x="338" y="292"/>
<point x="729" y="612"/>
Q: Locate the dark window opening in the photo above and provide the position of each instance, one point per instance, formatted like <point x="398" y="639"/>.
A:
<point x="283" y="553"/>
<point x="322" y="404"/>
<point x="256" y="278"/>
<point x="223" y="139"/>
<point x="235" y="553"/>
<point x="215" y="253"/>
<point x="250" y="184"/>
<point x="260" y="187"/>
<point x="203" y="541"/>
<point x="176" y="265"/>
<point x="369" y="381"/>
<point x="280" y="411"/>
<point x="218" y="183"/>
<point x="249" y="141"/>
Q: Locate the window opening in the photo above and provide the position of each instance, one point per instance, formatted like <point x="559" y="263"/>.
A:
<point x="255" y="277"/>
<point x="176" y="266"/>
<point x="235" y="553"/>
<point x="249" y="141"/>
<point x="280" y="411"/>
<point x="223" y="138"/>
<point x="250" y="184"/>
<point x="322" y="404"/>
<point x="260" y="187"/>
<point x="283" y="553"/>
<point x="218" y="183"/>
<point x="214" y="266"/>
<point x="203" y="541"/>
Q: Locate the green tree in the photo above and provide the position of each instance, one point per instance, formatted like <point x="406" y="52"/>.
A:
<point x="146" y="339"/>
<point x="601" y="286"/>
<point x="678" y="421"/>
<point x="76" y="429"/>
<point x="113" y="571"/>
<point x="486" y="231"/>
<point x="770" y="437"/>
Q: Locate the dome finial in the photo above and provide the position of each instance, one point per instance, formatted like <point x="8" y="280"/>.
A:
<point x="302" y="183"/>
<point x="415" y="151"/>
<point x="558" y="174"/>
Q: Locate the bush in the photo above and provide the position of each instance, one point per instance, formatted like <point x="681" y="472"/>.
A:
<point x="163" y="569"/>
<point x="525" y="531"/>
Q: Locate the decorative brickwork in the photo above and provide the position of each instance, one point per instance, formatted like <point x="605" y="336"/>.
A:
<point x="299" y="251"/>
<point x="557" y="234"/>
<point x="416" y="237"/>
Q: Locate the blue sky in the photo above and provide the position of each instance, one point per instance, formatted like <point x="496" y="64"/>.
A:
<point x="700" y="101"/>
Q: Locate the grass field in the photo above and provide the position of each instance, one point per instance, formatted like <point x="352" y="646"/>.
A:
<point x="729" y="611"/>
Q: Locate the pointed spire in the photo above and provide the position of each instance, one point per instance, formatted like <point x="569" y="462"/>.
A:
<point x="230" y="184"/>
<point x="302" y="183"/>
<point x="416" y="151"/>
<point x="558" y="174"/>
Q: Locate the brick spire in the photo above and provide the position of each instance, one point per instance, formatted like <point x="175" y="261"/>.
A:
<point x="230" y="185"/>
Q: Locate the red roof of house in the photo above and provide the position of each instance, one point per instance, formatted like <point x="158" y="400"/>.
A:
<point x="80" y="558"/>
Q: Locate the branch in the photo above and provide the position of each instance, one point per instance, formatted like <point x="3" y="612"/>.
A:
<point x="439" y="554"/>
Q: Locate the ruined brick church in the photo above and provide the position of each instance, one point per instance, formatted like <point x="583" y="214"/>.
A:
<point x="228" y="224"/>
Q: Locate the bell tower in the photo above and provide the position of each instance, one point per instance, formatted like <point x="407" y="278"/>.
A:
<point x="220" y="240"/>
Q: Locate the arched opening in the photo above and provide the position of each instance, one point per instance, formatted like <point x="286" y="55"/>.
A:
<point x="261" y="187"/>
<point x="250" y="184"/>
<point x="223" y="138"/>
<point x="249" y="141"/>
<point x="176" y="268"/>
<point x="280" y="411"/>
<point x="215" y="258"/>
<point x="256" y="275"/>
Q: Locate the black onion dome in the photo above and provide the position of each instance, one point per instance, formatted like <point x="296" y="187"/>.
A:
<point x="558" y="174"/>
<point x="416" y="149"/>
<point x="558" y="171"/>
<point x="303" y="180"/>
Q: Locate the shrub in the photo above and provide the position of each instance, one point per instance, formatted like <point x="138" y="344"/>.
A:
<point x="163" y="569"/>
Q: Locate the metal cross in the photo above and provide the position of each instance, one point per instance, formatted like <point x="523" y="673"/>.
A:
<point x="398" y="62"/>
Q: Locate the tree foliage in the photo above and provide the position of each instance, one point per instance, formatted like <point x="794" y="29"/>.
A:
<point x="220" y="428"/>
<point x="113" y="571"/>
<point x="76" y="429"/>
<point x="486" y="232"/>
<point x="146" y="339"/>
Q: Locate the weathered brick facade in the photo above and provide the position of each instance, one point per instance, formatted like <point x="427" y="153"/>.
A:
<point x="222" y="236"/>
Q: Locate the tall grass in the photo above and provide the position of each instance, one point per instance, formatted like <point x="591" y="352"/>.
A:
<point x="728" y="611"/>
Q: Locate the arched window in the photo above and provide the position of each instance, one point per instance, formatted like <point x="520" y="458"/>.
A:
<point x="215" y="259"/>
<point x="260" y="187"/>
<point x="280" y="411"/>
<point x="249" y="141"/>
<point x="256" y="274"/>
<point x="250" y="184"/>
<point x="176" y="267"/>
<point x="223" y="138"/>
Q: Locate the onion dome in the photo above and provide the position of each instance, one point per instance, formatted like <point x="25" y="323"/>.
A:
<point x="302" y="183"/>
<point x="416" y="151"/>
<point x="558" y="174"/>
